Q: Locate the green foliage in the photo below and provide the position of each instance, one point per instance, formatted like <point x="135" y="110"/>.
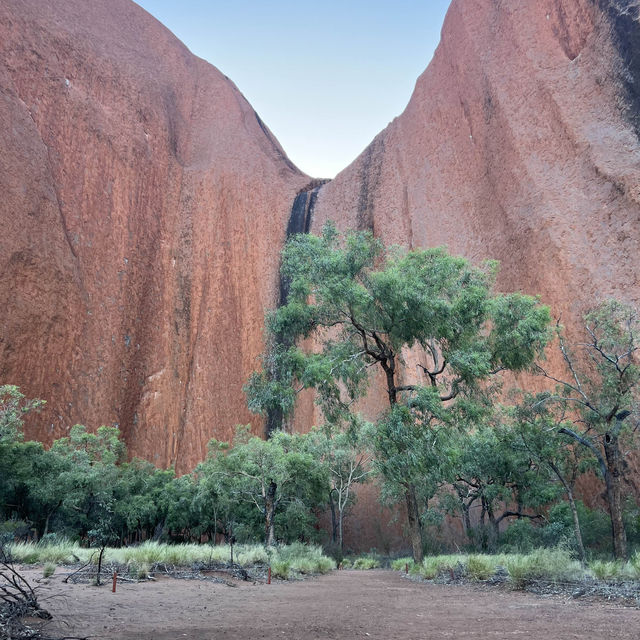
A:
<point x="606" y="570"/>
<point x="409" y="452"/>
<point x="594" y="523"/>
<point x="365" y="306"/>
<point x="281" y="569"/>
<point x="13" y="407"/>
<point x="542" y="564"/>
<point x="48" y="570"/>
<point x="279" y="478"/>
<point x="400" y="564"/>
<point x="366" y="563"/>
<point x="480" y="567"/>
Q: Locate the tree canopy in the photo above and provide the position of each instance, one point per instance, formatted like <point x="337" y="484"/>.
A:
<point x="365" y="306"/>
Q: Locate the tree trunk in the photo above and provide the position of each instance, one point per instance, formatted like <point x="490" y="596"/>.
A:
<point x="613" y="481"/>
<point x="494" y="528"/>
<point x="415" y="526"/>
<point x="576" y="525"/>
<point x="466" y="517"/>
<point x="334" y="522"/>
<point x="269" y="513"/>
<point x="574" y="511"/>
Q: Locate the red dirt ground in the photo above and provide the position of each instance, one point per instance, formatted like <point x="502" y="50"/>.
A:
<point x="345" y="604"/>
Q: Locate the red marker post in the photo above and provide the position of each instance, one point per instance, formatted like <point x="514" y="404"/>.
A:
<point x="115" y="579"/>
<point x="269" y="576"/>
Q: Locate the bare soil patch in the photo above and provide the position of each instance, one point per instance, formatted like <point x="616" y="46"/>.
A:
<point x="344" y="604"/>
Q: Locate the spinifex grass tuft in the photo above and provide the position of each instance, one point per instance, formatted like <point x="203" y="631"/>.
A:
<point x="297" y="557"/>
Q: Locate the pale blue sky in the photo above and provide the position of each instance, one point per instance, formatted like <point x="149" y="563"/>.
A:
<point x="325" y="77"/>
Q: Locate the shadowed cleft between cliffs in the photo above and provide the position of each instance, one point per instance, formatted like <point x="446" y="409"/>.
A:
<point x="299" y="222"/>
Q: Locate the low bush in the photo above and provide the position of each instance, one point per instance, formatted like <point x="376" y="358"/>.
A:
<point x="481" y="567"/>
<point x="542" y="564"/>
<point x="607" y="570"/>
<point x="366" y="562"/>
<point x="280" y="569"/>
<point x="400" y="564"/>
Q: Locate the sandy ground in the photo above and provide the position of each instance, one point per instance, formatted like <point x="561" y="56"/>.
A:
<point x="344" y="604"/>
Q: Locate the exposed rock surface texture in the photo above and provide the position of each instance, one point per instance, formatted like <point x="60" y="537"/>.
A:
<point x="520" y="143"/>
<point x="143" y="205"/>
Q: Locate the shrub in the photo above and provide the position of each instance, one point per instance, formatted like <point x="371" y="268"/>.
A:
<point x="142" y="572"/>
<point x="49" y="570"/>
<point x="606" y="570"/>
<point x="280" y="569"/>
<point x="400" y="564"/>
<point x="521" y="537"/>
<point x="480" y="567"/>
<point x="366" y="562"/>
<point x="542" y="564"/>
<point x="595" y="526"/>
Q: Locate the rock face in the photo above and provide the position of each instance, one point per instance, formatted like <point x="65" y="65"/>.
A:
<point x="143" y="207"/>
<point x="520" y="143"/>
<point x="144" y="203"/>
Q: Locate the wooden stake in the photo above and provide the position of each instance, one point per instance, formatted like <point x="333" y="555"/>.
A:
<point x="115" y="579"/>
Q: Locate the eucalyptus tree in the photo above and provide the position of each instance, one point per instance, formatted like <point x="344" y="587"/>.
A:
<point x="602" y="382"/>
<point x="271" y="474"/>
<point x="364" y="307"/>
<point x="540" y="431"/>
<point x="347" y="458"/>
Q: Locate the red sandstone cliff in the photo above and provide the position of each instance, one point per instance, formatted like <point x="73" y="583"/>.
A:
<point x="520" y="143"/>
<point x="143" y="205"/>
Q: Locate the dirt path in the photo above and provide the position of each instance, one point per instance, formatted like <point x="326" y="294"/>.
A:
<point x="346" y="604"/>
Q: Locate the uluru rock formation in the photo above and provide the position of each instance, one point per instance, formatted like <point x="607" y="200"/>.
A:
<point x="520" y="143"/>
<point x="143" y="207"/>
<point x="144" y="204"/>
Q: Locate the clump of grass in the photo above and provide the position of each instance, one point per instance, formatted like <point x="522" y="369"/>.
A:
<point x="634" y="564"/>
<point x="480" y="567"/>
<point x="542" y="564"/>
<point x="366" y="563"/>
<point x="607" y="570"/>
<point x="280" y="569"/>
<point x="429" y="569"/>
<point x="49" y="569"/>
<point x="304" y="558"/>
<point x="61" y="552"/>
<point x="142" y="572"/>
<point x="433" y="566"/>
<point x="400" y="564"/>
